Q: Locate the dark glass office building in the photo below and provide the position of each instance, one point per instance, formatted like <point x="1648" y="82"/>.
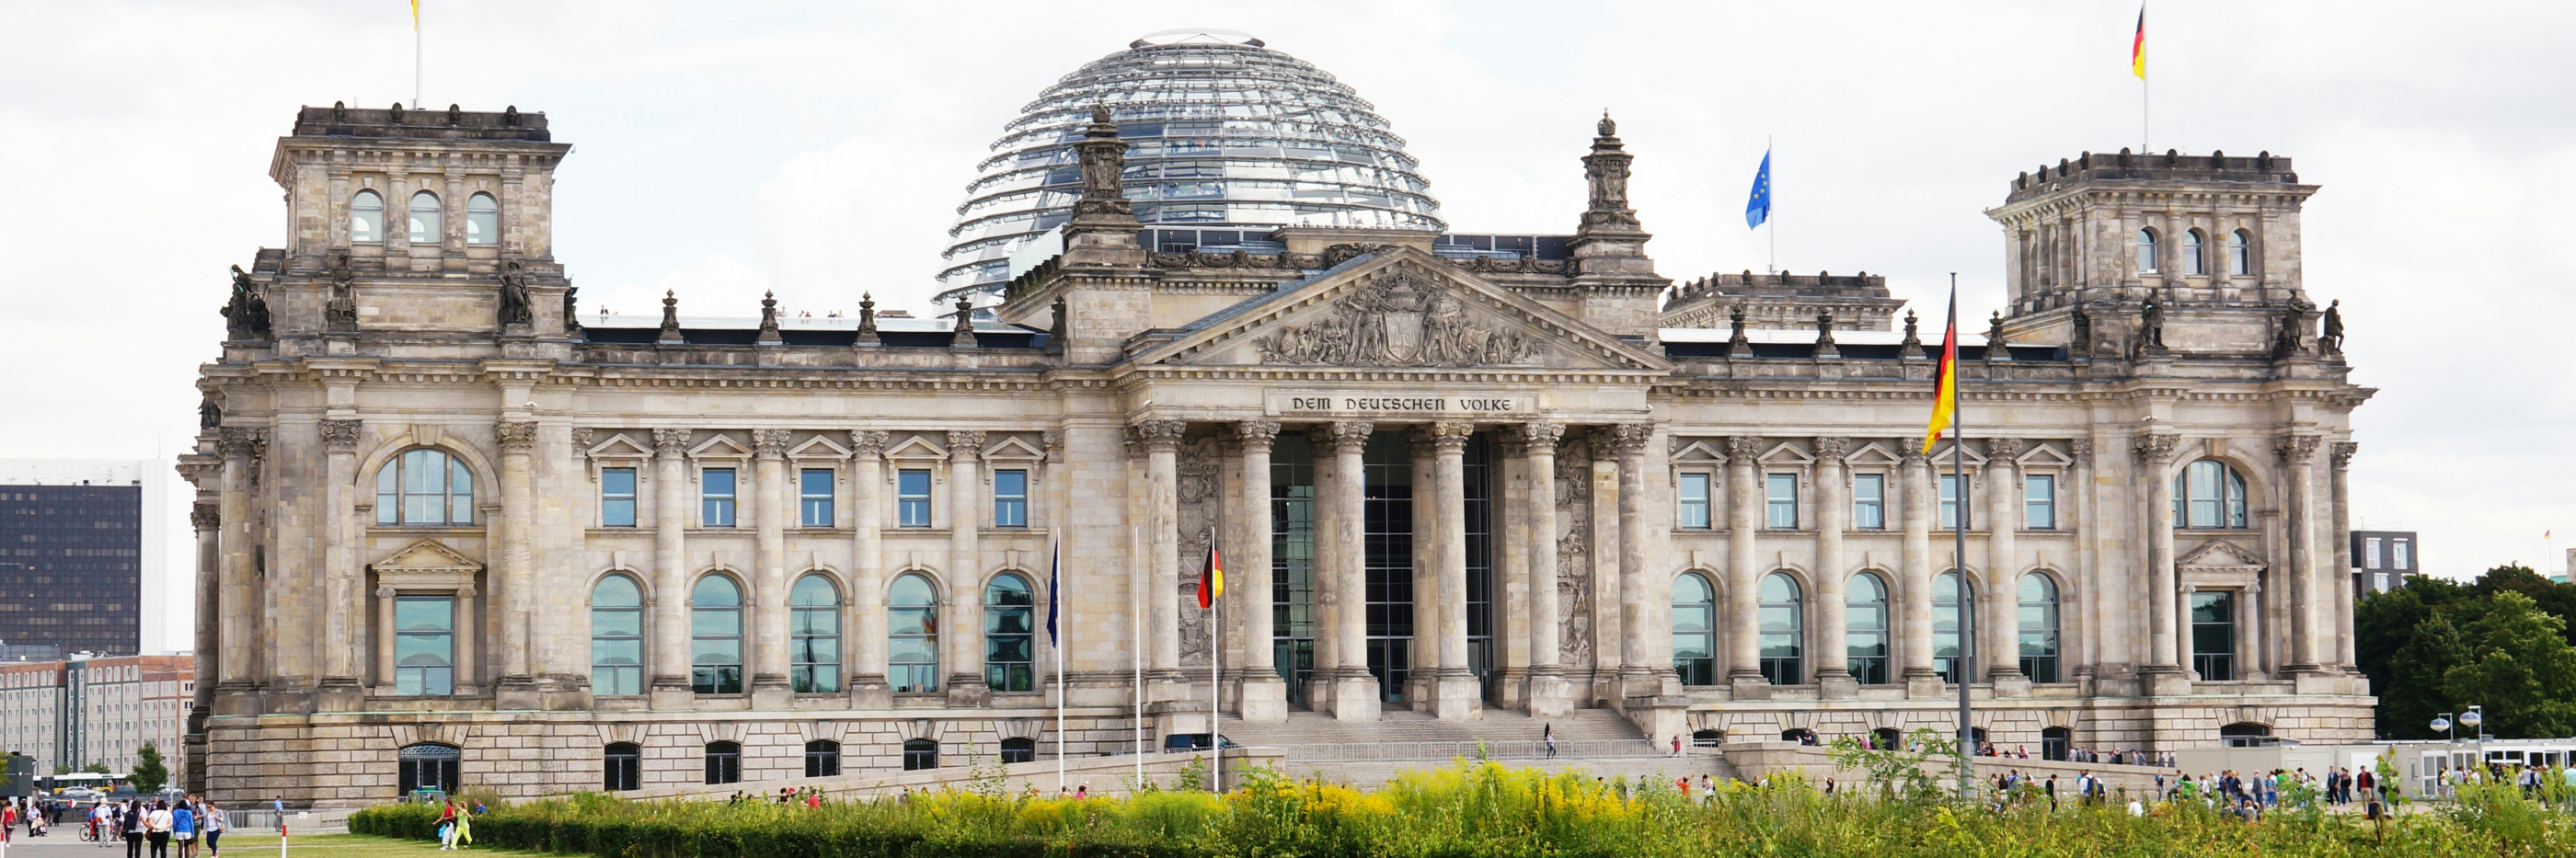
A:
<point x="71" y="566"/>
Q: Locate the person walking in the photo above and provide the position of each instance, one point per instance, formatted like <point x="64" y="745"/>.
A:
<point x="183" y="828"/>
<point x="447" y="825"/>
<point x="214" y="824"/>
<point x="156" y="828"/>
<point x="132" y="821"/>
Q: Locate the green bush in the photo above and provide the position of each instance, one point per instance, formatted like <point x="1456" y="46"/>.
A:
<point x="1478" y="809"/>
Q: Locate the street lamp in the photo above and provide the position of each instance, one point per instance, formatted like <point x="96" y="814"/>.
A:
<point x="2442" y="722"/>
<point x="2471" y="719"/>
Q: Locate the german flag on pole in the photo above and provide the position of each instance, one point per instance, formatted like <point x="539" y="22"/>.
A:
<point x="1945" y="389"/>
<point x="1211" y="580"/>
<point x="2138" y="46"/>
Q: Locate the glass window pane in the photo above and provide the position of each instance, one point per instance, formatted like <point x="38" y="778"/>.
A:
<point x="424" y="613"/>
<point x="2040" y="501"/>
<point x="715" y="621"/>
<point x="616" y="621"/>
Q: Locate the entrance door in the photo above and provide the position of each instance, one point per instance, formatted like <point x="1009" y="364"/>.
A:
<point x="1387" y="529"/>
<point x="1292" y="564"/>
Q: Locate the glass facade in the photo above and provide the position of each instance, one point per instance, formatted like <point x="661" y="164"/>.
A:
<point x="1865" y="626"/>
<point x="73" y="567"/>
<point x="1387" y="537"/>
<point x="1221" y="132"/>
<point x="1292" y="562"/>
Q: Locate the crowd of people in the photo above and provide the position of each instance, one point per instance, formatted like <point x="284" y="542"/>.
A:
<point x="149" y="828"/>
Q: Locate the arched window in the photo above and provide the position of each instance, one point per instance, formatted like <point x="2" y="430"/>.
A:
<point x="1695" y="629"/>
<point x="424" y="218"/>
<point x="920" y="754"/>
<point x="2240" y="253"/>
<point x="1783" y="630"/>
<point x="426" y="766"/>
<point x="814" y="635"/>
<point x="2209" y="494"/>
<point x="482" y="220"/>
<point x="724" y="762"/>
<point x="367" y="217"/>
<point x="616" y="637"/>
<point x="2195" y="253"/>
<point x="1019" y="750"/>
<point x="1010" y="643"/>
<point x="1885" y="739"/>
<point x="2056" y="743"/>
<point x="715" y="637"/>
<point x="622" y="766"/>
<point x="1865" y="628"/>
<point x="2147" y="263"/>
<point x="1800" y="735"/>
<point x="822" y="758"/>
<point x="1946" y="593"/>
<point x="912" y="626"/>
<point x="2244" y="734"/>
<point x="425" y="486"/>
<point x="1707" y="738"/>
<point x="2039" y="627"/>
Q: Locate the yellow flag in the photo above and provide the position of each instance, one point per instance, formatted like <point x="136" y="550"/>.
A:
<point x="1945" y="381"/>
<point x="415" y="16"/>
<point x="2137" y="45"/>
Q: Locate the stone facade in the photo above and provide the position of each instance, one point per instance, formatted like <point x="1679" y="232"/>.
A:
<point x="439" y="512"/>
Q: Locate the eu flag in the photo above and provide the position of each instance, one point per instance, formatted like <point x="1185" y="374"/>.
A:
<point x="1757" y="208"/>
<point x="1055" y="589"/>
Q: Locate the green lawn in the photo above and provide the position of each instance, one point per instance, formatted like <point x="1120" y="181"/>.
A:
<point x="338" y="846"/>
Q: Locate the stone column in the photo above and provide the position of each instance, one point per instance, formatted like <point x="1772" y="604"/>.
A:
<point x="515" y="688"/>
<point x="669" y="606"/>
<point x="1263" y="697"/>
<point x="1457" y="695"/>
<point x="1743" y="523"/>
<point x="2299" y="473"/>
<point x="1645" y="649"/>
<point x="467" y="619"/>
<point x="2340" y="518"/>
<point x="769" y="514"/>
<point x="1833" y="514"/>
<point x="1549" y="693"/>
<point x="1421" y="686"/>
<point x="2088" y="593"/>
<point x="1355" y="692"/>
<point x="238" y="691"/>
<point x="339" y="690"/>
<point x="2002" y="617"/>
<point x="1914" y="596"/>
<point x="385" y="636"/>
<point x="867" y="570"/>
<point x="1327" y="572"/>
<point x="2164" y="663"/>
<point x="1162" y="531"/>
<point x="965" y="633"/>
<point x="207" y="519"/>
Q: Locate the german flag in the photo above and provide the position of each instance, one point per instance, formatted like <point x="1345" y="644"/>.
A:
<point x="1945" y="387"/>
<point x="1211" y="580"/>
<point x="2138" y="46"/>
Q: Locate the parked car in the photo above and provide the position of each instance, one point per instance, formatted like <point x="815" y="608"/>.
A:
<point x="1178" y="743"/>
<point x="79" y="794"/>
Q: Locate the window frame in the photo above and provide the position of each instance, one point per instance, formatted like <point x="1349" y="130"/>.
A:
<point x="1948" y="491"/>
<point x="1779" y="513"/>
<point x="809" y="671"/>
<point x="1701" y="671"/>
<point x="723" y="762"/>
<point x="2240" y="253"/>
<point x="1868" y="669"/>
<point x="394" y="503"/>
<point x="2039" y="501"/>
<point x="928" y="640"/>
<point x="425" y="679"/>
<point x="2214" y="665"/>
<point x="1960" y="591"/>
<point x="621" y="770"/>
<point x="713" y="506"/>
<point x="1010" y="675"/>
<point x="2195" y="249"/>
<point x="358" y="214"/>
<point x="719" y="682"/>
<point x="2040" y="646"/>
<point x="609" y="499"/>
<point x="920" y="755"/>
<point x="1869" y="512"/>
<point x="1011" y="509"/>
<point x="2148" y="248"/>
<point x="638" y="638"/>
<point x="914" y="510"/>
<point x="488" y="218"/>
<point x="1787" y="669"/>
<point x="2230" y="508"/>
<point x="1692" y="512"/>
<point x="1019" y="749"/>
<point x="815" y="509"/>
<point x="822" y="758"/>
<point x="435" y="227"/>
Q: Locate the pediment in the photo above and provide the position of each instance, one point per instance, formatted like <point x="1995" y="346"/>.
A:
<point x="619" y="446"/>
<point x="1697" y="451"/>
<point x="1873" y="454"/>
<point x="1402" y="309"/>
<point x="819" y="447"/>
<point x="425" y="556"/>
<point x="2044" y="456"/>
<point x="719" y="447"/>
<point x="1012" y="447"/>
<point x="2220" y="554"/>
<point x="917" y="447"/>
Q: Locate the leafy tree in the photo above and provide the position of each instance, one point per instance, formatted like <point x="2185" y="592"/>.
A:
<point x="62" y="769"/>
<point x="2415" y="690"/>
<point x="96" y="768"/>
<point x="149" y="774"/>
<point x="2520" y="667"/>
<point x="2553" y="597"/>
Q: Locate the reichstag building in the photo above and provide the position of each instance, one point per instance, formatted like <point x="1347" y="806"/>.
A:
<point x="1200" y="295"/>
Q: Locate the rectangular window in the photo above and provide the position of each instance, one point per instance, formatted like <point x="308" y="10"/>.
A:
<point x="2400" y="557"/>
<point x="715" y="494"/>
<point x="814" y="497"/>
<point x="912" y="498"/>
<point x="617" y="497"/>
<point x="424" y="645"/>
<point x="1869" y="501"/>
<point x="1694" y="502"/>
<point x="1780" y="493"/>
<point x="2039" y="501"/>
<point x="2370" y="552"/>
<point x="2213" y="635"/>
<point x="1011" y="498"/>
<point x="1950" y="502"/>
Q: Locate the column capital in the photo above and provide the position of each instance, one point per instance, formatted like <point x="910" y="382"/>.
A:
<point x="341" y="436"/>
<point x="963" y="445"/>
<point x="1744" y="447"/>
<point x="1541" y="436"/>
<point x="205" y="515"/>
<point x="2157" y="449"/>
<point x="1348" y="436"/>
<point x="1160" y="436"/>
<point x="1832" y="448"/>
<point x="517" y="436"/>
<point x="2296" y="449"/>
<point x="2002" y="451"/>
<point x="1256" y="436"/>
<point x="770" y="443"/>
<point x="2342" y="452"/>
<point x="867" y="442"/>
<point x="244" y="441"/>
<point x="2082" y="448"/>
<point x="1913" y="449"/>
<point x="384" y="592"/>
<point x="1052" y="441"/>
<point x="1451" y="438"/>
<point x="670" y="443"/>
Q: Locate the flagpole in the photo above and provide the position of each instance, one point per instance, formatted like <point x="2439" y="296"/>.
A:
<point x="1136" y="620"/>
<point x="1216" y="655"/>
<point x="1770" y="213"/>
<point x="1055" y="640"/>
<point x="1959" y="560"/>
<point x="415" y="55"/>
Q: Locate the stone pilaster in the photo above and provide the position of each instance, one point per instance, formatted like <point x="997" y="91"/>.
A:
<point x="206" y="518"/>
<point x="2001" y="622"/>
<point x="241" y="448"/>
<point x="669" y="605"/>
<point x="967" y="685"/>
<point x="339" y="690"/>
<point x="1743" y="614"/>
<point x="1645" y="647"/>
<point x="1914" y="476"/>
<point x="1263" y="697"/>
<point x="2164" y="666"/>
<point x="1355" y="691"/>
<point x="1456" y="696"/>
<point x="2339" y="518"/>
<point x="770" y="513"/>
<point x="868" y="688"/>
<point x="1428" y="621"/>
<point x="1833" y="514"/>
<point x="1162" y="440"/>
<point x="2299" y="474"/>
<point x="1549" y="692"/>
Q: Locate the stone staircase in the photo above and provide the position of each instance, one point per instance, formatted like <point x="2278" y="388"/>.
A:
<point x="1368" y="754"/>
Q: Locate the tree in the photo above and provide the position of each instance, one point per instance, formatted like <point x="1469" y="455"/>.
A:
<point x="2519" y="667"/>
<point x="96" y="768"/>
<point x="2554" y="598"/>
<point x="149" y="775"/>
<point x="2415" y="691"/>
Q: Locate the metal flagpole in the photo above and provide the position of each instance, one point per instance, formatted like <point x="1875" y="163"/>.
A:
<point x="1136" y="623"/>
<point x="415" y="55"/>
<point x="1770" y="211"/>
<point x="1216" y="654"/>
<point x="1959" y="560"/>
<point x="1055" y="639"/>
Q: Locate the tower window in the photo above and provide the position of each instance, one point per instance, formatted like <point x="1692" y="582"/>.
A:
<point x="482" y="220"/>
<point x="1693" y="501"/>
<point x="2209" y="494"/>
<point x="2195" y="256"/>
<point x="424" y="218"/>
<point x="2240" y="253"/>
<point x="367" y="217"/>
<point x="2147" y="252"/>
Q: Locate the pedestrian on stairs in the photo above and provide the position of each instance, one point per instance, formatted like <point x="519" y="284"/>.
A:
<point x="1549" y="734"/>
<point x="1677" y="744"/>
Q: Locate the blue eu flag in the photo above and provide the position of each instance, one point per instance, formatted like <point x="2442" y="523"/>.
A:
<point x="1757" y="208"/>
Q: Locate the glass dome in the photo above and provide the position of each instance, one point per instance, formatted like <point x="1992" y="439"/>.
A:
<point x="1223" y="133"/>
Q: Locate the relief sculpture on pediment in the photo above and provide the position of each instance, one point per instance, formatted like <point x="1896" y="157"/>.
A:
<point x="1398" y="318"/>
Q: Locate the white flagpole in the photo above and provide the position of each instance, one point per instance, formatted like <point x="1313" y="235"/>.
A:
<point x="1216" y="654"/>
<point x="1055" y="593"/>
<point x="415" y="55"/>
<point x="1136" y="625"/>
<point x="1770" y="209"/>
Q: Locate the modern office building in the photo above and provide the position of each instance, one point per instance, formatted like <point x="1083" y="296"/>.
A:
<point x="81" y="559"/>
<point x="98" y="711"/>
<point x="451" y="532"/>
<point x="2381" y="559"/>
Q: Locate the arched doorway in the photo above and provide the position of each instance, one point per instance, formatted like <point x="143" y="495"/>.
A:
<point x="427" y="766"/>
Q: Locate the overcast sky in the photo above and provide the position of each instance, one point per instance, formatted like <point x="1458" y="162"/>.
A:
<point x="819" y="150"/>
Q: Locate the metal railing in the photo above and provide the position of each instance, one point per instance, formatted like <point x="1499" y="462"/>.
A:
<point x="1524" y="749"/>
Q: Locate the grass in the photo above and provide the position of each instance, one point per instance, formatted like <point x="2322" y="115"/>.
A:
<point x="331" y="846"/>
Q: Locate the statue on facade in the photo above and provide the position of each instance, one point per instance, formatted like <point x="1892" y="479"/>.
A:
<point x="2286" y="340"/>
<point x="210" y="413"/>
<point x="571" y="310"/>
<point x="2080" y="343"/>
<point x="246" y="314"/>
<point x="340" y="312"/>
<point x="1606" y="171"/>
<point x="515" y="308"/>
<point x="2330" y="340"/>
<point x="2151" y="324"/>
